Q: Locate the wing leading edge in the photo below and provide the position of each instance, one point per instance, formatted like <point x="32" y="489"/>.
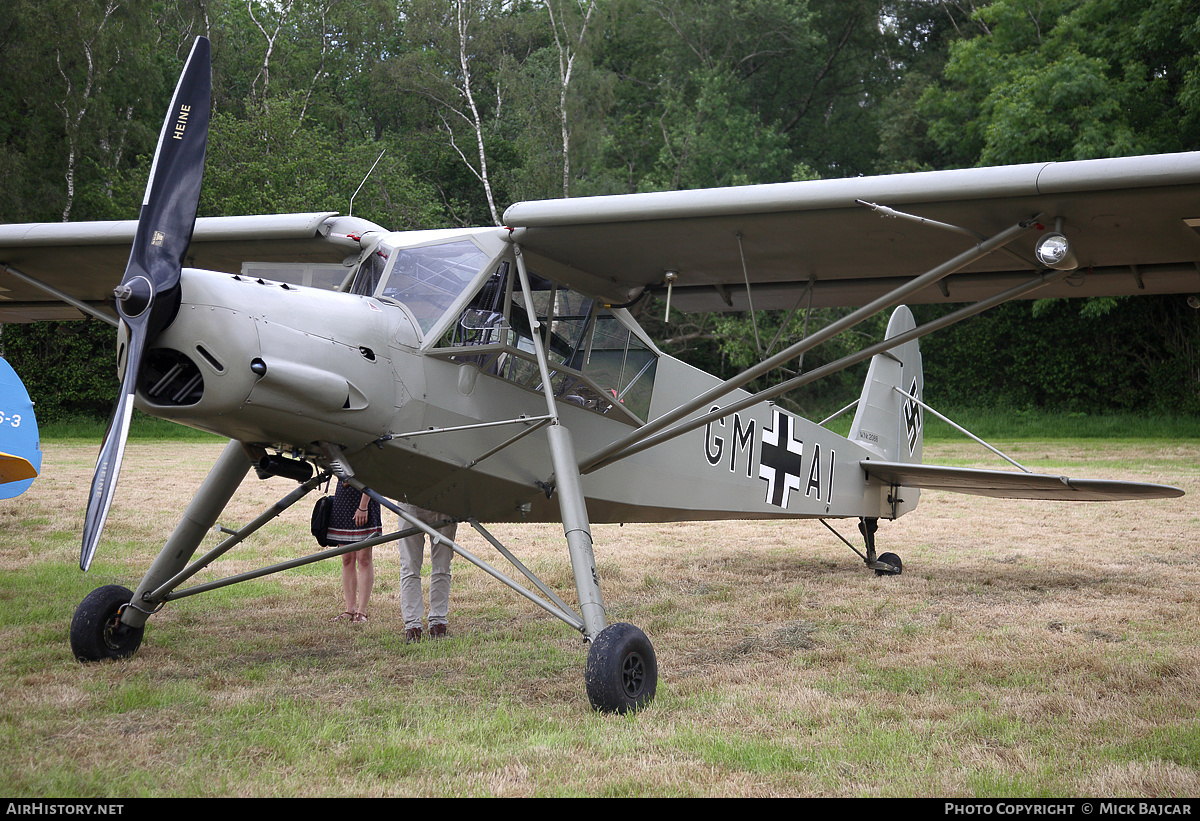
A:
<point x="1004" y="484"/>
<point x="1134" y="222"/>
<point x="85" y="260"/>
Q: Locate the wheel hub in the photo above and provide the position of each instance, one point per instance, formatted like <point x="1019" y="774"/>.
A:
<point x="115" y="632"/>
<point x="633" y="674"/>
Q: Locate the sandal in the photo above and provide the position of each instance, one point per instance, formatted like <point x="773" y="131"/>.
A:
<point x="359" y="618"/>
<point x="349" y="615"/>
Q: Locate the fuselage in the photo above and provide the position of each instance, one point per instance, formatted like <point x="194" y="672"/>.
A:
<point x="430" y="409"/>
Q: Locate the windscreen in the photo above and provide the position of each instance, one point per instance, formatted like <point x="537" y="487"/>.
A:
<point x="427" y="280"/>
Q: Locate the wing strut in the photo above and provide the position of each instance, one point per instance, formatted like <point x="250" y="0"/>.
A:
<point x="749" y="295"/>
<point x="637" y="441"/>
<point x="78" y="304"/>
<point x="832" y="367"/>
<point x="962" y="430"/>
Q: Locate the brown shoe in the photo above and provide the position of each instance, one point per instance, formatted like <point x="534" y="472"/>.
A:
<point x="437" y="631"/>
<point x="412" y="635"/>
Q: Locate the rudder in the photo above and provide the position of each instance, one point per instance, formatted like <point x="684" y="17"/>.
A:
<point x="886" y="421"/>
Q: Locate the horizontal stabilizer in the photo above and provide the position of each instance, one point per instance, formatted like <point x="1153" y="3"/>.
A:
<point x="1007" y="484"/>
<point x="15" y="468"/>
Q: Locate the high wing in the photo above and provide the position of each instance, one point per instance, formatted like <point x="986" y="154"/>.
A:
<point x="84" y="261"/>
<point x="1133" y="221"/>
<point x="1007" y="484"/>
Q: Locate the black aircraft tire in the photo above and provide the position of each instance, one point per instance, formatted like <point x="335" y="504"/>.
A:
<point x="894" y="561"/>
<point x="622" y="671"/>
<point x="96" y="632"/>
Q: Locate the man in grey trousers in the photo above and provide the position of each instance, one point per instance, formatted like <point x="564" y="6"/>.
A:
<point x="412" y="552"/>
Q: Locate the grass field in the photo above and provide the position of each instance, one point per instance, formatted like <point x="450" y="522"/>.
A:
<point x="1029" y="649"/>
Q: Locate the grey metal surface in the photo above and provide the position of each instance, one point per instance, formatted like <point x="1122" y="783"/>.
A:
<point x="1122" y="212"/>
<point x="86" y="259"/>
<point x="1007" y="484"/>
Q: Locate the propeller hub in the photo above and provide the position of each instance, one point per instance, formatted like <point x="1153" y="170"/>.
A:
<point x="134" y="296"/>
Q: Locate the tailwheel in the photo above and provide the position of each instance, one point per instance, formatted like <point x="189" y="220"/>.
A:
<point x="622" y="672"/>
<point x="886" y="564"/>
<point x="96" y="629"/>
<point x="894" y="567"/>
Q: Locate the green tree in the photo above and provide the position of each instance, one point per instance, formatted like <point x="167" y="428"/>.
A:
<point x="687" y="111"/>
<point x="86" y="117"/>
<point x="69" y="368"/>
<point x="570" y="24"/>
<point x="711" y="138"/>
<point x="920" y="34"/>
<point x="459" y="56"/>
<point x="1144" y="356"/>
<point x="1070" y="79"/>
<point x="264" y="164"/>
<point x="1067" y="80"/>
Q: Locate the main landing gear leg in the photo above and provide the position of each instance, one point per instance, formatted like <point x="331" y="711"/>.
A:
<point x="888" y="564"/>
<point x="109" y="622"/>
<point x="622" y="672"/>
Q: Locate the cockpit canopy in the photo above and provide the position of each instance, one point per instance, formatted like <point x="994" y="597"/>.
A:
<point x="462" y="291"/>
<point x="427" y="279"/>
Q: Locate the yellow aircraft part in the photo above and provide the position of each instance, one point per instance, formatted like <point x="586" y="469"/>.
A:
<point x="15" y="468"/>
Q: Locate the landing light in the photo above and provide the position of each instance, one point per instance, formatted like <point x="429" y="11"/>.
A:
<point x="1055" y="251"/>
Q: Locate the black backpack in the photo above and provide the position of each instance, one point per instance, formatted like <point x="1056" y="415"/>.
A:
<point x="322" y="510"/>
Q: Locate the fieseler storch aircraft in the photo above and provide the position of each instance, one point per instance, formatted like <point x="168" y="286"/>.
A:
<point x="496" y="374"/>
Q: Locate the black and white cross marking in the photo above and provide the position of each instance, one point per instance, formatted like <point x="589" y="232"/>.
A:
<point x="780" y="458"/>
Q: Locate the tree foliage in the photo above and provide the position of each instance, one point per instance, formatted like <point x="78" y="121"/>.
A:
<point x="1070" y="79"/>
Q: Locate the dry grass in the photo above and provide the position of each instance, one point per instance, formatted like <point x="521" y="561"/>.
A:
<point x="1028" y="649"/>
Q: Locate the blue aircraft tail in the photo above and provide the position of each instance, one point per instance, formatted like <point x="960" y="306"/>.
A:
<point x="20" y="451"/>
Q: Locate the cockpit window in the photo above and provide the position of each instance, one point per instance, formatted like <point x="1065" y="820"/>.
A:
<point x="427" y="279"/>
<point x="595" y="361"/>
<point x="369" y="273"/>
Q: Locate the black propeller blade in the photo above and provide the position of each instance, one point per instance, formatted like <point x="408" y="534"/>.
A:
<point x="148" y="296"/>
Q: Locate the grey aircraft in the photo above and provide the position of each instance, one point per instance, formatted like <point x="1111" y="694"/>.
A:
<point x="496" y="374"/>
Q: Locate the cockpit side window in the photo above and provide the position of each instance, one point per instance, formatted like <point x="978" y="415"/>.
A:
<point x="483" y="320"/>
<point x="580" y="338"/>
<point x="370" y="272"/>
<point x="616" y="359"/>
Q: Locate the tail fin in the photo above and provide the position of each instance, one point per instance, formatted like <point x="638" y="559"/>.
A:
<point x="20" y="448"/>
<point x="888" y="422"/>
